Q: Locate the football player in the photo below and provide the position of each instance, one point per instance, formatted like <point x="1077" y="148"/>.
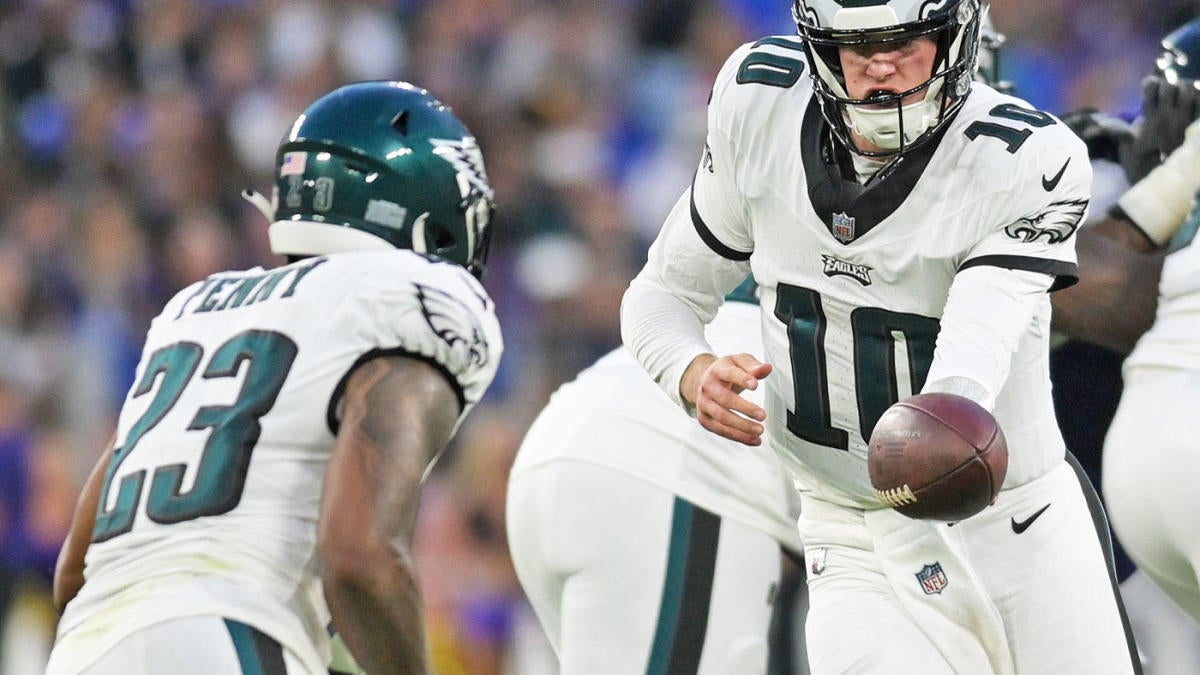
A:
<point x="1148" y="260"/>
<point x="265" y="473"/>
<point x="1149" y="452"/>
<point x="906" y="227"/>
<point x="644" y="543"/>
<point x="1114" y="301"/>
<point x="1115" y="304"/>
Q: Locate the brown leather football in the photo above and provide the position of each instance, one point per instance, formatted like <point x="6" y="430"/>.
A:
<point x="937" y="457"/>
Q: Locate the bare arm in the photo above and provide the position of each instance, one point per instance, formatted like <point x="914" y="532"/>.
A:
<point x="68" y="571"/>
<point x="398" y="414"/>
<point x="1114" y="302"/>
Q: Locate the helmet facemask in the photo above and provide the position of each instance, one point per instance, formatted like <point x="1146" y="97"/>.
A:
<point x="883" y="119"/>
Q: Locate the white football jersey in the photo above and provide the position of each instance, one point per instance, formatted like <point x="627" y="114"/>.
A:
<point x="614" y="415"/>
<point x="210" y="504"/>
<point x="855" y="278"/>
<point x="1171" y="341"/>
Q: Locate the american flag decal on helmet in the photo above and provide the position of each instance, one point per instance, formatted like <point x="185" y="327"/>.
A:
<point x="293" y="163"/>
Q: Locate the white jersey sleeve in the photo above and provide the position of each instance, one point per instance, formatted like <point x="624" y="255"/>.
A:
<point x="1171" y="341"/>
<point x="1039" y="194"/>
<point x="718" y="206"/>
<point x="987" y="313"/>
<point x="443" y="316"/>
<point x="679" y="290"/>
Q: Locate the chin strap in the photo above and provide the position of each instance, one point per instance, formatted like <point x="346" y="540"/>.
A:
<point x="265" y="206"/>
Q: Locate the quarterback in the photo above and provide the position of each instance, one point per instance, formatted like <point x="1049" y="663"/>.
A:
<point x="906" y="225"/>
<point x="264" y="478"/>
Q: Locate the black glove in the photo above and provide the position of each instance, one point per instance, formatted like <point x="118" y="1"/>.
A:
<point x="1107" y="137"/>
<point x="1167" y="110"/>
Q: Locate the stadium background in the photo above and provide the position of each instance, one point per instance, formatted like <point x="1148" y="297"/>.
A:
<point x="128" y="128"/>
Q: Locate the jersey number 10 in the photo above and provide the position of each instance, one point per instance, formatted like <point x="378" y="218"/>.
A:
<point x="878" y="335"/>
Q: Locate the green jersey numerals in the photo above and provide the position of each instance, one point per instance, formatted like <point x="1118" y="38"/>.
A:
<point x="890" y="348"/>
<point x="265" y="357"/>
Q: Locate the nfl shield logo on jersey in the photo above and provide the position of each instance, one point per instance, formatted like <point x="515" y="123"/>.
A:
<point x="932" y="578"/>
<point x="843" y="227"/>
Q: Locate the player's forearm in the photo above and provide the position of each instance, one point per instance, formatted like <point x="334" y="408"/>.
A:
<point x="399" y="412"/>
<point x="68" y="571"/>
<point x="376" y="608"/>
<point x="1115" y="300"/>
<point x="1158" y="203"/>
<point x="987" y="313"/>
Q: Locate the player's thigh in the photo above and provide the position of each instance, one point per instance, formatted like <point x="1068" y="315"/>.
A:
<point x="1038" y="552"/>
<point x="609" y="547"/>
<point x="663" y="586"/>
<point x="590" y="545"/>
<point x="697" y="598"/>
<point x="856" y="624"/>
<point x="532" y="521"/>
<point x="199" y="645"/>
<point x="745" y="582"/>
<point x="1150" y="464"/>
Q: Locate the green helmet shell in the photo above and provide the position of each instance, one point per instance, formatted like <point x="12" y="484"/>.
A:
<point x="377" y="165"/>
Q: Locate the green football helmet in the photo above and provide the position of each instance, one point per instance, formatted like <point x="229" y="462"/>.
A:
<point x="377" y="165"/>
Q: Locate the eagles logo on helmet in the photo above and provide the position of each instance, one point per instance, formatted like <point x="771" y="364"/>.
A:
<point x="825" y="26"/>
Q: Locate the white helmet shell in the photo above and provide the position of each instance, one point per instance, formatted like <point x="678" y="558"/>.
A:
<point x="828" y="25"/>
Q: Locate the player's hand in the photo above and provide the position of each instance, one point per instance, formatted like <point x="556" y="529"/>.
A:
<point x="1107" y="137"/>
<point x="1167" y="110"/>
<point x="714" y="386"/>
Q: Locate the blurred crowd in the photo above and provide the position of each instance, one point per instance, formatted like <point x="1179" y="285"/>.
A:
<point x="128" y="129"/>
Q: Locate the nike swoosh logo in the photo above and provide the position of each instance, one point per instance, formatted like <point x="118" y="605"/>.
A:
<point x="1022" y="525"/>
<point x="1050" y="183"/>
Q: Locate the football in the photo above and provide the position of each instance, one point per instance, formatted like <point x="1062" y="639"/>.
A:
<point x="937" y="456"/>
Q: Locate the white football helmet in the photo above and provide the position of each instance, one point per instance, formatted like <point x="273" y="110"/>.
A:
<point x="827" y="25"/>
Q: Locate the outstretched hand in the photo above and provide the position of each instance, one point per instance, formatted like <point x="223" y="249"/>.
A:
<point x="1168" y="107"/>
<point x="714" y="386"/>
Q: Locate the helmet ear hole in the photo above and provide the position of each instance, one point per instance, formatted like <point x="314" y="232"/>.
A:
<point x="400" y="123"/>
<point x="438" y="237"/>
